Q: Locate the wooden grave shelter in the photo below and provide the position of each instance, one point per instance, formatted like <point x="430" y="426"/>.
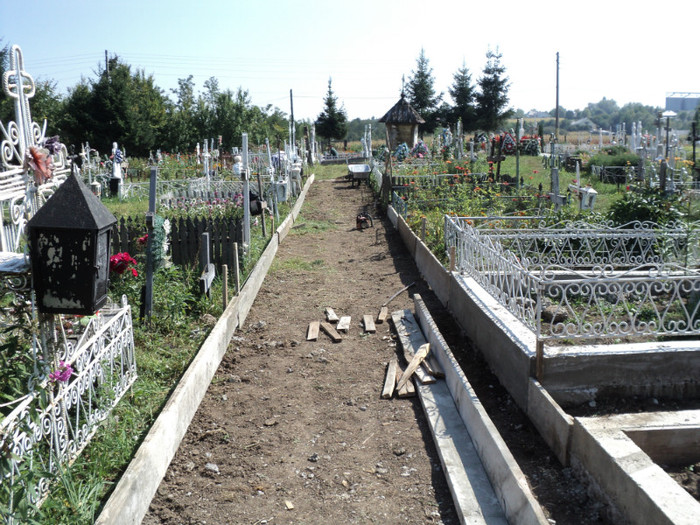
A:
<point x="401" y="124"/>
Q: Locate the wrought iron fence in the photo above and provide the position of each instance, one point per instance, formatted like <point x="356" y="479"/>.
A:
<point x="50" y="426"/>
<point x="572" y="282"/>
<point x="189" y="188"/>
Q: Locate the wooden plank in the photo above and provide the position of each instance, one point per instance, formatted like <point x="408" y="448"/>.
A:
<point x="390" y="379"/>
<point x="411" y="338"/>
<point x="383" y="313"/>
<point x="418" y="358"/>
<point x="328" y="328"/>
<point x="312" y="332"/>
<point x="343" y="324"/>
<point x="408" y="390"/>
<point x="331" y="317"/>
<point x="369" y="324"/>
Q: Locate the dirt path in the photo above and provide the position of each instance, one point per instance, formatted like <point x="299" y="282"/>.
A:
<point x="294" y="431"/>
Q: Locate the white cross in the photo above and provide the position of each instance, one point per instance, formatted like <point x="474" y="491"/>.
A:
<point x="19" y="85"/>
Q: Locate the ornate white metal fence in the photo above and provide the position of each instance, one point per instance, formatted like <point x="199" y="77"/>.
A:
<point x="51" y="425"/>
<point x="578" y="281"/>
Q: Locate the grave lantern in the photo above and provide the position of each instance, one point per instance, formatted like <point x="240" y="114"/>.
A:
<point x="69" y="243"/>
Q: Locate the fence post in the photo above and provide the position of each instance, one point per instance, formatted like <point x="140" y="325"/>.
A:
<point x="260" y="196"/>
<point x="236" y="270"/>
<point x="453" y="257"/>
<point x="150" y="217"/>
<point x="208" y="270"/>
<point x="224" y="279"/>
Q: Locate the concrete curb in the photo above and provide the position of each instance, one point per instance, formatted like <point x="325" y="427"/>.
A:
<point x="132" y="496"/>
<point x="506" y="477"/>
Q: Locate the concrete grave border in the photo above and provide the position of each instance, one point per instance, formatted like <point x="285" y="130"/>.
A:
<point x="509" y="349"/>
<point x="618" y="454"/>
<point x="132" y="496"/>
<point x="507" y="479"/>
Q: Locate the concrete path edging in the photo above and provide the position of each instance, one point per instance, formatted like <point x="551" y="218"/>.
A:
<point x="507" y="479"/>
<point x="132" y="496"/>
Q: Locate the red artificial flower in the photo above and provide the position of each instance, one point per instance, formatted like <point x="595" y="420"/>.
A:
<point x="120" y="262"/>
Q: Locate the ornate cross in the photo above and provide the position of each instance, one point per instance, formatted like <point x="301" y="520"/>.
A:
<point x="19" y="85"/>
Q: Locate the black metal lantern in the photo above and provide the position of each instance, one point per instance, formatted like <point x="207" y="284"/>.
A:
<point x="69" y="243"/>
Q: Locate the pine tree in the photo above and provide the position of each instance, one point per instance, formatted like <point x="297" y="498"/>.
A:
<point x="332" y="123"/>
<point x="421" y="93"/>
<point x="492" y="98"/>
<point x="463" y="95"/>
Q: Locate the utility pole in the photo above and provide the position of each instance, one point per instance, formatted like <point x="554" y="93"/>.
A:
<point x="556" y="110"/>
<point x="291" y="117"/>
<point x="107" y="64"/>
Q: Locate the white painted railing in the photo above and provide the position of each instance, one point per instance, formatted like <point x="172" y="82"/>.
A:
<point x="571" y="282"/>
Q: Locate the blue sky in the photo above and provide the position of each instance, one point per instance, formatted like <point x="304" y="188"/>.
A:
<point x="628" y="52"/>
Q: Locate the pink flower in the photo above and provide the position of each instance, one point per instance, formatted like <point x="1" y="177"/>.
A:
<point x="62" y="373"/>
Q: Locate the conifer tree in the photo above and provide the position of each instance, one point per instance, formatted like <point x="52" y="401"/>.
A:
<point x="332" y="123"/>
<point x="463" y="95"/>
<point x="492" y="97"/>
<point x="421" y="93"/>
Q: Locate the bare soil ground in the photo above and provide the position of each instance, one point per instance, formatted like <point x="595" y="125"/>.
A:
<point x="295" y="432"/>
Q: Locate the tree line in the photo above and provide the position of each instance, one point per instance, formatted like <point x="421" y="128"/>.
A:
<point x="480" y="106"/>
<point x="123" y="105"/>
<point x="483" y="106"/>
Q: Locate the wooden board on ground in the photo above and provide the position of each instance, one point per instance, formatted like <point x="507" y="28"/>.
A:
<point x="390" y="379"/>
<point x="382" y="315"/>
<point x="312" y="332"/>
<point x="369" y="324"/>
<point x="331" y="316"/>
<point x="343" y="324"/>
<point x="411" y="338"/>
<point x="412" y="367"/>
<point x="328" y="328"/>
<point x="409" y="389"/>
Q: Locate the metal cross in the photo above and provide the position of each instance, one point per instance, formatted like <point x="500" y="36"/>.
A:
<point x="19" y="85"/>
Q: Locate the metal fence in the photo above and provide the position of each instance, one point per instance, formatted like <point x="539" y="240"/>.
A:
<point x="575" y="281"/>
<point x="50" y="426"/>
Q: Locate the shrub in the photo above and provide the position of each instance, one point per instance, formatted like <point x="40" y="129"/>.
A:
<point x="646" y="205"/>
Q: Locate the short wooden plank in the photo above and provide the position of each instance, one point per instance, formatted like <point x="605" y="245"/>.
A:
<point x="343" y="324"/>
<point x="328" y="328"/>
<point x="383" y="314"/>
<point x="418" y="358"/>
<point x="408" y="390"/>
<point x="369" y="324"/>
<point x="390" y="379"/>
<point x="411" y="338"/>
<point x="312" y="332"/>
<point x="331" y="316"/>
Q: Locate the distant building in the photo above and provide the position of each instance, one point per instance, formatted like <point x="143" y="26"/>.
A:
<point x="682" y="101"/>
<point x="401" y="124"/>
